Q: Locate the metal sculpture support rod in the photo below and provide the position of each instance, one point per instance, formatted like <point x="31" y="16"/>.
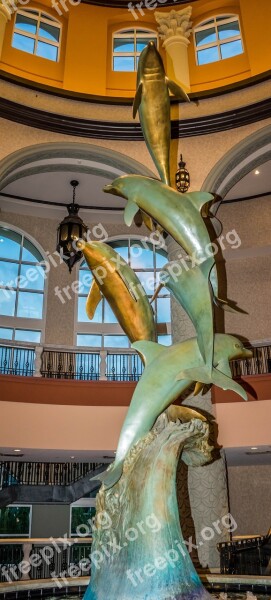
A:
<point x="139" y="552"/>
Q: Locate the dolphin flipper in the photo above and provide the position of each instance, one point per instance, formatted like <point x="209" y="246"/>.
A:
<point x="199" y="199"/>
<point x="137" y="100"/>
<point x="110" y="476"/>
<point x="176" y="90"/>
<point x="217" y="378"/>
<point x="130" y="211"/>
<point x="93" y="299"/>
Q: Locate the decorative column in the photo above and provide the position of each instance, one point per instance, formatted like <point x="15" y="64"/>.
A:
<point x="202" y="491"/>
<point x="5" y="14"/>
<point x="174" y="29"/>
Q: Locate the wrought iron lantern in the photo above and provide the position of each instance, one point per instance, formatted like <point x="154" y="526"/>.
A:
<point x="182" y="177"/>
<point x="69" y="231"/>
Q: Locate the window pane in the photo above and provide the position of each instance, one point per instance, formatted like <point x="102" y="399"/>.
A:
<point x="49" y="31"/>
<point x="15" y="520"/>
<point x="124" y="63"/>
<point x="91" y="341"/>
<point x="47" y="51"/>
<point x="124" y="45"/>
<point x="109" y="316"/>
<point x="10" y="244"/>
<point x="208" y="55"/>
<point x="7" y="303"/>
<point x="82" y="315"/>
<point x="140" y="256"/>
<point x="85" y="278"/>
<point x="161" y="259"/>
<point x="33" y="277"/>
<point x="148" y="282"/>
<point x="27" y="335"/>
<point x="116" y="341"/>
<point x="26" y="24"/>
<point x="165" y="340"/>
<point x="231" y="49"/>
<point x="141" y="43"/>
<point x="30" y="305"/>
<point x="30" y="252"/>
<point x="163" y="310"/>
<point x="81" y="515"/>
<point x="9" y="273"/>
<point x="207" y="36"/>
<point x="23" y="43"/>
<point x="6" y="333"/>
<point x="228" y="30"/>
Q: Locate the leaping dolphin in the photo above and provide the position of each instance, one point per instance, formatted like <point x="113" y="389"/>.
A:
<point x="154" y="393"/>
<point x="191" y="288"/>
<point x="118" y="283"/>
<point x="179" y="216"/>
<point x="153" y="103"/>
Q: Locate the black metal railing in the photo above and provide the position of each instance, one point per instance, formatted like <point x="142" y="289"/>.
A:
<point x="44" y="559"/>
<point x="17" y="361"/>
<point x="71" y="365"/>
<point x="40" y="473"/>
<point x="259" y="364"/>
<point x="123" y="367"/>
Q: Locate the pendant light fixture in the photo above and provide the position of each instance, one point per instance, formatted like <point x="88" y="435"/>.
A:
<point x="69" y="231"/>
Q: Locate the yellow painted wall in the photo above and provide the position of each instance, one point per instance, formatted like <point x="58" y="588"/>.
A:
<point x="85" y="63"/>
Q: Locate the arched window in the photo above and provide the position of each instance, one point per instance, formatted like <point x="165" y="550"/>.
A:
<point x="217" y="39"/>
<point x="37" y="33"/>
<point x="22" y="283"/>
<point x="127" y="47"/>
<point x="104" y="331"/>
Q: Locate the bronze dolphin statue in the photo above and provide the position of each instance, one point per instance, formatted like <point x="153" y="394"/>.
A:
<point x="118" y="283"/>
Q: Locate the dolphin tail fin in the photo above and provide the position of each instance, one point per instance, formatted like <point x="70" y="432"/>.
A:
<point x="137" y="99"/>
<point x="217" y="378"/>
<point x="110" y="477"/>
<point x="130" y="211"/>
<point x="176" y="90"/>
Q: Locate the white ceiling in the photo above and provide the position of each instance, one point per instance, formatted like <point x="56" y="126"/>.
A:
<point x="252" y="184"/>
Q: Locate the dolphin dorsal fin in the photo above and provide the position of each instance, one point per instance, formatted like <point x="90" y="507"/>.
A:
<point x="93" y="299"/>
<point x="130" y="211"/>
<point x="137" y="99"/>
<point x="176" y="90"/>
<point x="199" y="199"/>
<point x="149" y="350"/>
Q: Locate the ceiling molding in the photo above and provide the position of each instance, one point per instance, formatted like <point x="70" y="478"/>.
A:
<point x="124" y="3"/>
<point x="109" y="130"/>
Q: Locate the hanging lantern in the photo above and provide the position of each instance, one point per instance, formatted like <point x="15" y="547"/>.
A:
<point x="69" y="231"/>
<point x="182" y="177"/>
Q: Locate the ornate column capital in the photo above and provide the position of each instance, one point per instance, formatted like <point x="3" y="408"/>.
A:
<point x="174" y="25"/>
<point x="4" y="11"/>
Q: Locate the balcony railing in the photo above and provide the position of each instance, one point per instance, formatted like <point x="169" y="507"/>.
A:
<point x="93" y="365"/>
<point x="29" y="558"/>
<point x="39" y="473"/>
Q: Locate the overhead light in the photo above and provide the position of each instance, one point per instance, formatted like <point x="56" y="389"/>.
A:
<point x="257" y="172"/>
<point x="182" y="177"/>
<point x="17" y="450"/>
<point x="72" y="456"/>
<point x="70" y="230"/>
<point x="254" y="448"/>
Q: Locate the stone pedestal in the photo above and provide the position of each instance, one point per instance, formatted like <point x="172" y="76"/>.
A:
<point x="175" y="29"/>
<point x="205" y="497"/>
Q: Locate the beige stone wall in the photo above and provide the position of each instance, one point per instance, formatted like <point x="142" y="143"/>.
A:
<point x="250" y="495"/>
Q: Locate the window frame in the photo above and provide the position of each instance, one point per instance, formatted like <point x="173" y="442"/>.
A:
<point x="81" y="503"/>
<point x="105" y="329"/>
<point x="144" y="33"/>
<point x="26" y="12"/>
<point x="213" y="23"/>
<point x="19" y="535"/>
<point x="25" y="323"/>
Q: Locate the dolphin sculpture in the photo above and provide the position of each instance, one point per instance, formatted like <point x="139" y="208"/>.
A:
<point x="118" y="283"/>
<point x="153" y="104"/>
<point x="191" y="288"/>
<point x="179" y="216"/>
<point x="154" y="393"/>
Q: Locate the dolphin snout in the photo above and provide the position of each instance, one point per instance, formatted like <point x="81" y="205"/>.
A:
<point x="108" y="188"/>
<point x="246" y="353"/>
